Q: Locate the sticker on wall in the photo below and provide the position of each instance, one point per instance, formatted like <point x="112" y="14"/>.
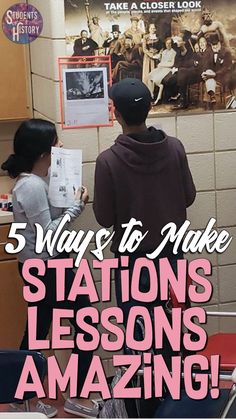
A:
<point x="22" y="23"/>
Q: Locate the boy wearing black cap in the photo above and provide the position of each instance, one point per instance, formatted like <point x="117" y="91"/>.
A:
<point x="144" y="175"/>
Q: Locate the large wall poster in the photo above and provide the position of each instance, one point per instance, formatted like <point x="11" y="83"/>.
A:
<point x="184" y="51"/>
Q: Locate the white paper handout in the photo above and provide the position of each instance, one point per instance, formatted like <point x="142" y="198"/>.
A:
<point x="85" y="96"/>
<point x="65" y="176"/>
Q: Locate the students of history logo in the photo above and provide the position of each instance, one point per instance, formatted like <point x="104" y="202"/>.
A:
<point x="22" y="23"/>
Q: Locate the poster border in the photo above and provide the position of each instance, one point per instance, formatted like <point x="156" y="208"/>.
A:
<point x="92" y="61"/>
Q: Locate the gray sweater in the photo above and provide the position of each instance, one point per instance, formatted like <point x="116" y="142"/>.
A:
<point x="31" y="205"/>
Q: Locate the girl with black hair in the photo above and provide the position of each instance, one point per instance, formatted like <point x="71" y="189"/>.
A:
<point x="29" y="165"/>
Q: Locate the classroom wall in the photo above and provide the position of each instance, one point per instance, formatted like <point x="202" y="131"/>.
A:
<point x="209" y="140"/>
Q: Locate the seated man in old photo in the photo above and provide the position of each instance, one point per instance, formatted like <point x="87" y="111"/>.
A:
<point x="130" y="60"/>
<point x="217" y="66"/>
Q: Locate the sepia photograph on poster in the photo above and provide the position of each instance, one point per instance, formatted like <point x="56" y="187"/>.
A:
<point x="184" y="51"/>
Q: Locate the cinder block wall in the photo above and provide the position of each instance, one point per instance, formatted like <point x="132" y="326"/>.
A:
<point x="209" y="140"/>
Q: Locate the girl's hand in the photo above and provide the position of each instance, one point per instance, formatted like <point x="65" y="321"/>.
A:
<point x="82" y="195"/>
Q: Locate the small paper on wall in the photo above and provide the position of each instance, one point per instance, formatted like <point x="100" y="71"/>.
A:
<point x="85" y="96"/>
<point x="65" y="176"/>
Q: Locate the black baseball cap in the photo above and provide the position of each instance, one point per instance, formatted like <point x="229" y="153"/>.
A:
<point x="130" y="95"/>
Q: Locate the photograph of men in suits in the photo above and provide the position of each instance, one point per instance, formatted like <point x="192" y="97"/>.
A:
<point x="130" y="59"/>
<point x="113" y="45"/>
<point x="123" y="35"/>
<point x="218" y="65"/>
<point x="84" y="45"/>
